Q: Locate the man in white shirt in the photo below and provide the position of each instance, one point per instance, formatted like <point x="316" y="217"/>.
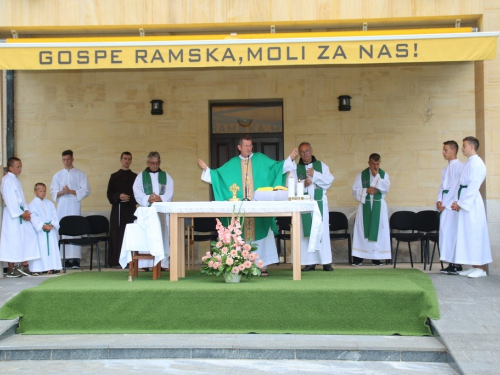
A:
<point x="68" y="188"/>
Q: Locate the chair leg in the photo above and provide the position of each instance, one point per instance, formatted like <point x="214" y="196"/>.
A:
<point x="105" y="254"/>
<point x="349" y="248"/>
<point x="91" y="252"/>
<point x="98" y="257"/>
<point x="64" y="257"/>
<point x="136" y="267"/>
<point x="426" y="253"/>
<point x="411" y="257"/>
<point x="278" y="247"/>
<point x="432" y="257"/>
<point x="396" y="254"/>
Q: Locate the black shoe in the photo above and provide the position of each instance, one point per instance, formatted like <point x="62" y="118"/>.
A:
<point x="68" y="263"/>
<point x="327" y="267"/>
<point x="445" y="270"/>
<point x="454" y="269"/>
<point x="376" y="263"/>
<point x="76" y="264"/>
<point x="311" y="267"/>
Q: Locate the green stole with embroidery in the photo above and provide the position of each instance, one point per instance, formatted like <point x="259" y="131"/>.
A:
<point x="371" y="213"/>
<point x="318" y="197"/>
<point x="147" y="185"/>
<point x="266" y="172"/>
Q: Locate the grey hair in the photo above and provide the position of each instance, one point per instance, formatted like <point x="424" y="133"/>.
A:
<point x="154" y="154"/>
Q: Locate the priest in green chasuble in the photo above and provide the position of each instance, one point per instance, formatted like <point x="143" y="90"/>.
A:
<point x="371" y="234"/>
<point x="317" y="180"/>
<point x="251" y="171"/>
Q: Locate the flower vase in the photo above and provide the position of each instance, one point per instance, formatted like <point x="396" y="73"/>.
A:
<point x="232" y="278"/>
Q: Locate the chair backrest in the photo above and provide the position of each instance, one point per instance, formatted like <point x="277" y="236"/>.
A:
<point x="402" y="220"/>
<point x="98" y="224"/>
<point x="74" y="225"/>
<point x="284" y="222"/>
<point x="426" y="221"/>
<point x="204" y="224"/>
<point x="338" y="221"/>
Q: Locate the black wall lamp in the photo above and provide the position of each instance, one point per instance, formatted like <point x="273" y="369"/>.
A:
<point x="156" y="107"/>
<point x="344" y="103"/>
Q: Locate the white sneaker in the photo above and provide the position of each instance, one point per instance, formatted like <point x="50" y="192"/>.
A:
<point x="466" y="272"/>
<point x="478" y="272"/>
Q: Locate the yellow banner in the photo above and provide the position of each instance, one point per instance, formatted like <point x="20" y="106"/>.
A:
<point x="143" y="53"/>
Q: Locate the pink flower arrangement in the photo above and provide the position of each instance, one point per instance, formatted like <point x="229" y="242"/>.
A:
<point x="231" y="254"/>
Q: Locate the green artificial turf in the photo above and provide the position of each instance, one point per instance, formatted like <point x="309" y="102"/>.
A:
<point x="358" y="301"/>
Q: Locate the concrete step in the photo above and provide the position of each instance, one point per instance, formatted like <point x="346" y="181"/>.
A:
<point x="218" y="346"/>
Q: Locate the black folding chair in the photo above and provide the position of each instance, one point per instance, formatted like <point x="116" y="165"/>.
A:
<point x="205" y="229"/>
<point x="404" y="221"/>
<point x="338" y="221"/>
<point x="99" y="228"/>
<point x="284" y="233"/>
<point x="77" y="226"/>
<point x="427" y="223"/>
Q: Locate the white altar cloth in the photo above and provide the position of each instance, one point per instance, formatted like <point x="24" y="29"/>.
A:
<point x="267" y="208"/>
<point x="144" y="235"/>
<point x="179" y="211"/>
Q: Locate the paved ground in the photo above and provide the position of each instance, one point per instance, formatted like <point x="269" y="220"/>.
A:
<point x="217" y="367"/>
<point x="469" y="327"/>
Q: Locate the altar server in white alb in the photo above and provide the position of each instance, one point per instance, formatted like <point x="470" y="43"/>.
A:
<point x="372" y="238"/>
<point x="473" y="242"/>
<point x="18" y="241"/>
<point x="46" y="224"/>
<point x="449" y="218"/>
<point x="68" y="188"/>
<point x="317" y="180"/>
<point x="150" y="186"/>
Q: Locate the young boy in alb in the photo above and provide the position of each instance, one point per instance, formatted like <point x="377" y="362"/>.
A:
<point x="44" y="220"/>
<point x="18" y="242"/>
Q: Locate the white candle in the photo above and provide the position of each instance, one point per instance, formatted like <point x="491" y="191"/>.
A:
<point x="300" y="188"/>
<point x="291" y="187"/>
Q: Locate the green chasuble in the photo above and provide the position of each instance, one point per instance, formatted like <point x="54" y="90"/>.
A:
<point x="318" y="196"/>
<point x="371" y="213"/>
<point x="266" y="172"/>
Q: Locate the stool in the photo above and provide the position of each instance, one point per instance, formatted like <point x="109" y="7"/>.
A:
<point x="133" y="266"/>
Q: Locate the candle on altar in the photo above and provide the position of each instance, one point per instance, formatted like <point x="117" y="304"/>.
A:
<point x="300" y="188"/>
<point x="291" y="187"/>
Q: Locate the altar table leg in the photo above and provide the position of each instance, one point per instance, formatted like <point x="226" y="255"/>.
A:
<point x="174" y="247"/>
<point x="296" y="245"/>
<point x="181" y="250"/>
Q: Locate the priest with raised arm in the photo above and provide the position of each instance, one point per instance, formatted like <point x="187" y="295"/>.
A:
<point x="251" y="171"/>
<point x="317" y="180"/>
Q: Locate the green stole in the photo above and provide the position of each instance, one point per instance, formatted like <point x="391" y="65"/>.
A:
<point x="371" y="214"/>
<point x="147" y="184"/>
<point x="266" y="172"/>
<point x="318" y="197"/>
